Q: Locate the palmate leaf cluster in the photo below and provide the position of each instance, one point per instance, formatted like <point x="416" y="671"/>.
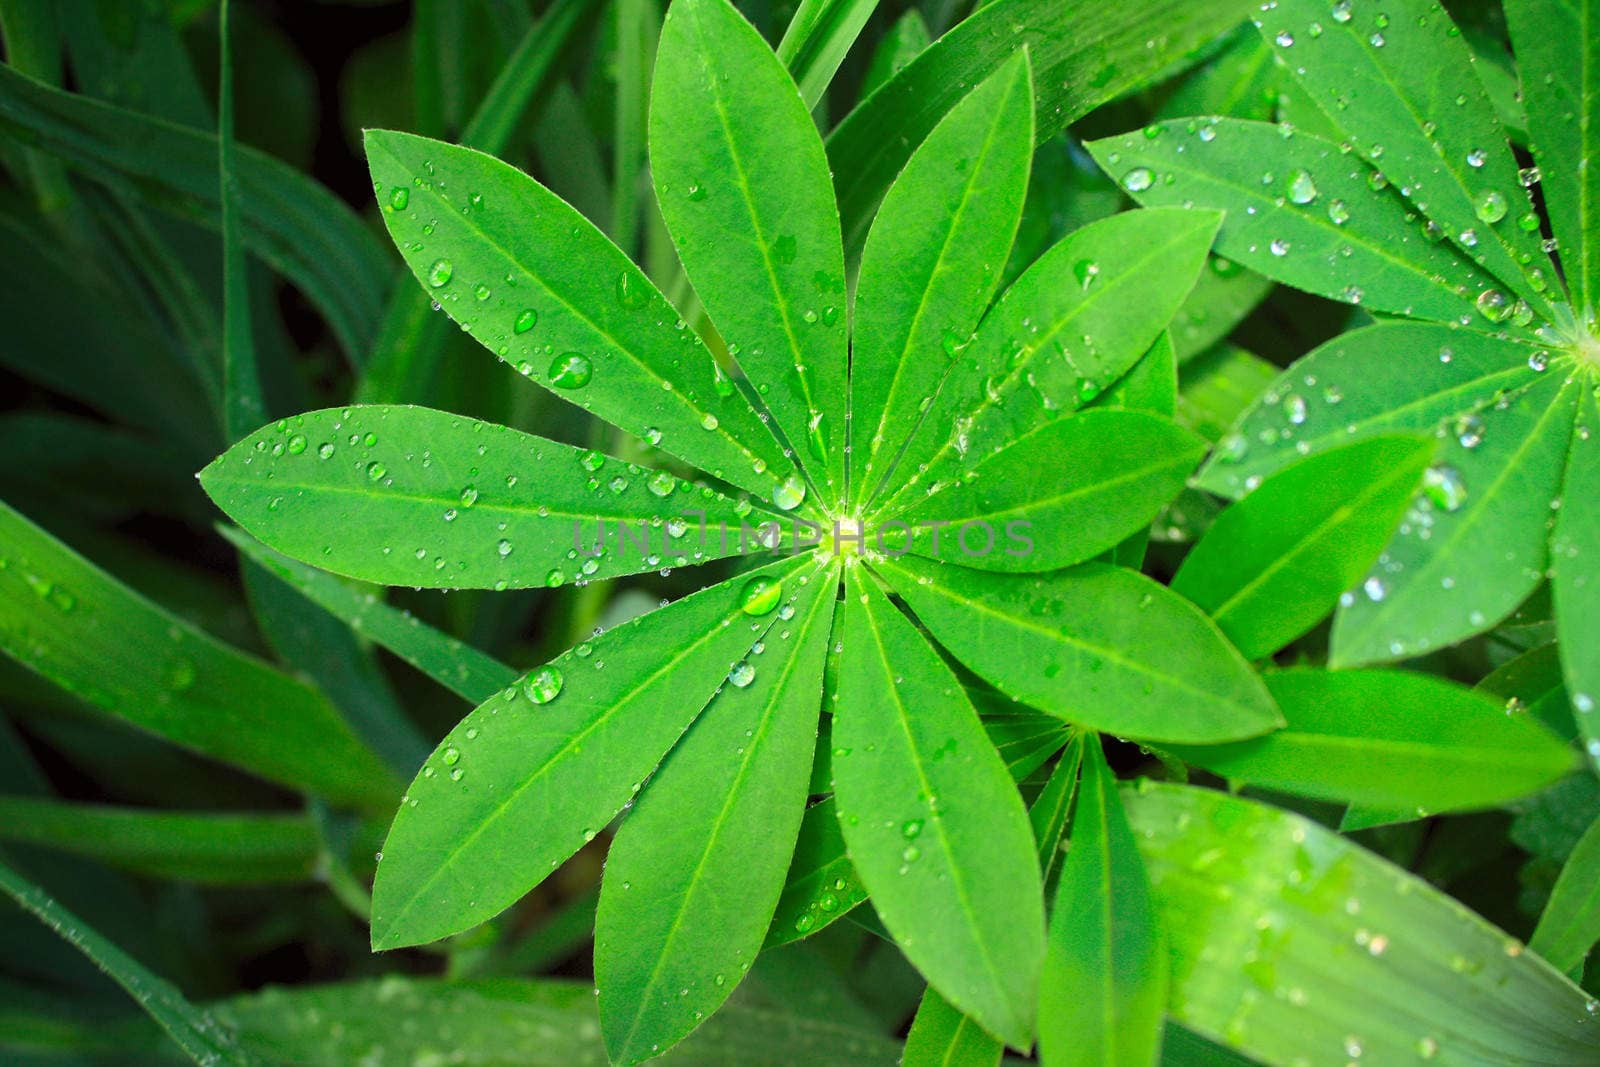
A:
<point x="973" y="504"/>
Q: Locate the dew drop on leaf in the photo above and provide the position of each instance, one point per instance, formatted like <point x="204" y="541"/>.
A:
<point x="543" y="685"/>
<point x="760" y="596"/>
<point x="439" y="274"/>
<point x="570" y="370"/>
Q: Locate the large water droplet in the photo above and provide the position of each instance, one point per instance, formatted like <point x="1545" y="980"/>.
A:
<point x="543" y="685"/>
<point x="570" y="370"/>
<point x="439" y="274"/>
<point x="760" y="596"/>
<point x="1138" y="180"/>
<point x="789" y="493"/>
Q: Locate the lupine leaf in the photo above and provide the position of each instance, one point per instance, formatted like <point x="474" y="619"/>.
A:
<point x="71" y="622"/>
<point x="1485" y="514"/>
<point x="412" y="496"/>
<point x="932" y="261"/>
<point x="1099" y="646"/>
<point x="932" y="821"/>
<point x="1575" y="571"/>
<point x="943" y="1037"/>
<point x="1084" y="54"/>
<point x="1288" y="940"/>
<point x="1558" y="54"/>
<point x="576" y="315"/>
<point x="694" y="874"/>
<point x="1275" y="563"/>
<point x="1299" y="211"/>
<point x="743" y="185"/>
<point x="1056" y="338"/>
<point x="1218" y="385"/>
<point x="533" y="773"/>
<point x="1103" y="990"/>
<point x="1055" y="496"/>
<point x="1393" y="740"/>
<point x="1570" y="923"/>
<point x="817" y="40"/>
<point x="1385" y="78"/>
<point x="1394" y="378"/>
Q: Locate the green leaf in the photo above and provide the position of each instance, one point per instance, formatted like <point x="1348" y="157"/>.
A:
<point x="306" y="233"/>
<point x="1083" y="53"/>
<point x="694" y="874"/>
<point x="74" y="624"/>
<point x="457" y="666"/>
<point x="1074" y="323"/>
<point x="202" y="1038"/>
<point x="533" y="773"/>
<point x="575" y="316"/>
<point x="1391" y="739"/>
<point x="211" y="848"/>
<point x="1223" y="296"/>
<point x="943" y="1037"/>
<point x="1275" y="563"/>
<point x="933" y="823"/>
<point x="1393" y="378"/>
<point x="426" y="498"/>
<point x="242" y="404"/>
<point x="817" y="40"/>
<point x="1558" y="54"/>
<point x="932" y="262"/>
<point x="1300" y="211"/>
<point x="1218" y="385"/>
<point x="1103" y="990"/>
<point x="518" y="1022"/>
<point x="1570" y="923"/>
<point x="1056" y="496"/>
<point x="1289" y="941"/>
<point x="1242" y="80"/>
<point x="743" y="184"/>
<point x="821" y="884"/>
<point x="1100" y="646"/>
<point x="1575" y="581"/>
<point x="1383" y="78"/>
<point x="1049" y="809"/>
<point x="1477" y="547"/>
<point x="1532" y="683"/>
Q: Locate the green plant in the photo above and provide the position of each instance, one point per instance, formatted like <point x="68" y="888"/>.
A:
<point x="847" y="324"/>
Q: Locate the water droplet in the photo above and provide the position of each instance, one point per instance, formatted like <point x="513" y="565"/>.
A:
<point x="592" y="460"/>
<point x="504" y="548"/>
<point x="1469" y="431"/>
<point x="1445" y="487"/>
<point x="555" y="577"/>
<point x="1490" y="206"/>
<point x="1341" y="11"/>
<point x="1477" y="157"/>
<point x="1138" y="180"/>
<point x="1279" y="247"/>
<point x="760" y="596"/>
<point x="297" y="444"/>
<point x="1285" y="39"/>
<point x="325" y="450"/>
<point x="526" y="320"/>
<point x="399" y="198"/>
<point x="661" y="483"/>
<point x="439" y="274"/>
<point x="632" y="292"/>
<point x="1338" y="213"/>
<point x="543" y="685"/>
<point x="451" y="756"/>
<point x="742" y="674"/>
<point x="1302" y="188"/>
<point x="376" y="470"/>
<point x="788" y="493"/>
<point x="570" y="370"/>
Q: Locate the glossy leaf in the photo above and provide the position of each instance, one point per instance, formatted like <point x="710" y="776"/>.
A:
<point x="299" y="227"/>
<point x="1394" y="378"/>
<point x="1100" y="646"/>
<point x="743" y="185"/>
<point x="1054" y="497"/>
<point x="1061" y="334"/>
<point x="931" y="264"/>
<point x="1259" y="905"/>
<point x="1275" y="563"/>
<point x="576" y="315"/>
<point x="535" y="772"/>
<point x="202" y="1038"/>
<point x="1558" y="51"/>
<point x="457" y="666"/>
<point x="1218" y="385"/>
<point x="932" y="821"/>
<point x="1476" y="547"/>
<point x="209" y="848"/>
<point x="942" y="1037"/>
<point x="412" y="496"/>
<point x="817" y="40"/>
<point x="1103" y="991"/>
<point x="1575" y="567"/>
<point x="1570" y="924"/>
<point x="1083" y="53"/>
<point x="1383" y="78"/>
<point x="67" y="620"/>
<point x="1393" y="740"/>
<point x="694" y="874"/>
<point x="1300" y="211"/>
